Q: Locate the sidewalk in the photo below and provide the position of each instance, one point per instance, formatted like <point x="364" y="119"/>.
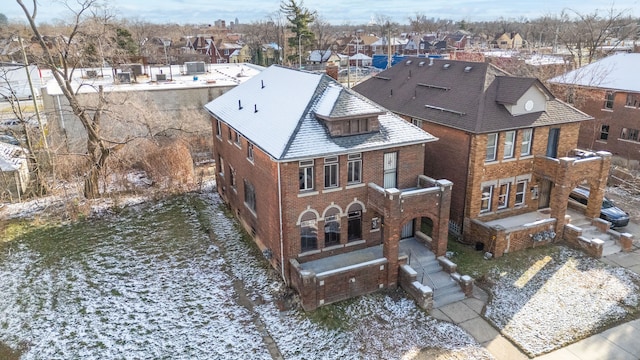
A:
<point x="618" y="343"/>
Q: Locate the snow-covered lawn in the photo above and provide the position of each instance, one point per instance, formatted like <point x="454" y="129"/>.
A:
<point x="560" y="299"/>
<point x="149" y="282"/>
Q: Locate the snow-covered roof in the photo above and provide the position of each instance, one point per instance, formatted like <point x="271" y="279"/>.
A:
<point x="276" y="109"/>
<point x="360" y="56"/>
<point x="12" y="157"/>
<point x="616" y="72"/>
<point x="216" y="75"/>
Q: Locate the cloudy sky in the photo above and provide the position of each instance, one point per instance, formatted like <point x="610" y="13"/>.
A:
<point x="335" y="11"/>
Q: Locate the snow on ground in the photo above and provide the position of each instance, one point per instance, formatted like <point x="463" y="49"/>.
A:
<point x="561" y="299"/>
<point x="149" y="283"/>
<point x="379" y="327"/>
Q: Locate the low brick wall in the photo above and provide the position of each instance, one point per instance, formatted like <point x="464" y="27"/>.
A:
<point x="422" y="294"/>
<point x="499" y="240"/>
<point x="573" y="237"/>
<point x="340" y="284"/>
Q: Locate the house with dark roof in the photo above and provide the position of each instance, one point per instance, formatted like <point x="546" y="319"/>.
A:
<point x="506" y="142"/>
<point x="329" y="184"/>
<point x="608" y="90"/>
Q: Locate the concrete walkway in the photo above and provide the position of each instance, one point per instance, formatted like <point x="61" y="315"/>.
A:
<point x="618" y="343"/>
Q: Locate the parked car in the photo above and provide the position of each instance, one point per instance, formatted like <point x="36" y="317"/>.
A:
<point x="608" y="211"/>
<point x="9" y="139"/>
<point x="13" y="125"/>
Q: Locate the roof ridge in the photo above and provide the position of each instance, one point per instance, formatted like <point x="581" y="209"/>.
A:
<point x="322" y="85"/>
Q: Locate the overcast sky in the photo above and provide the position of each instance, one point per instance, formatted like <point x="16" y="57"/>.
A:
<point x="336" y="12"/>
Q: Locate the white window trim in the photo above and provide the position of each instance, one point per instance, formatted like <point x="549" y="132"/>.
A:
<point x="509" y="145"/>
<point x="495" y="148"/>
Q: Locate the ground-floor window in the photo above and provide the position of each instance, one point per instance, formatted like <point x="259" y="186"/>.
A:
<point x="521" y="187"/>
<point x="354" y="231"/>
<point x="308" y="232"/>
<point x="485" y="202"/>
<point x="331" y="230"/>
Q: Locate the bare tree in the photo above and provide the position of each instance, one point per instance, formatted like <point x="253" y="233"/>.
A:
<point x="62" y="54"/>
<point x="584" y="35"/>
<point x="324" y="35"/>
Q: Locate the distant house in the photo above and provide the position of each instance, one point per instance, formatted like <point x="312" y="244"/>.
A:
<point x="319" y="56"/>
<point x="458" y="40"/>
<point x="383" y="45"/>
<point x="241" y="55"/>
<point x="325" y="181"/>
<point x="506" y="142"/>
<point x="608" y="90"/>
<point x="509" y="41"/>
<point x="360" y="44"/>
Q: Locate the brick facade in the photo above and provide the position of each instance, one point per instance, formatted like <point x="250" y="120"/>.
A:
<point x="607" y="131"/>
<point x="280" y="206"/>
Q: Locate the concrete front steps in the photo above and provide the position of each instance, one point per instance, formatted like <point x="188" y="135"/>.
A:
<point x="446" y="289"/>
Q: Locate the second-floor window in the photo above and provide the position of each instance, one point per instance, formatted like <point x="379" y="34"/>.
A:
<point x="237" y="139"/>
<point x="633" y="100"/>
<point x="629" y="134"/>
<point x="608" y="100"/>
<point x="250" y="151"/>
<point x="305" y="173"/>
<point x="331" y="172"/>
<point x="354" y="168"/>
<point x="509" y="140"/>
<point x="525" y="147"/>
<point x="604" y="132"/>
<point x="492" y="146"/>
<point x="218" y="128"/>
<point x="417" y="122"/>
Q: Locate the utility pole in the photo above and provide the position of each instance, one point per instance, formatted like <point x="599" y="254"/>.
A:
<point x="33" y="96"/>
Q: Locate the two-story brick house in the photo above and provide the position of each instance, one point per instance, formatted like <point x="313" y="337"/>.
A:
<point x="505" y="142"/>
<point x="325" y="181"/>
<point x="608" y="90"/>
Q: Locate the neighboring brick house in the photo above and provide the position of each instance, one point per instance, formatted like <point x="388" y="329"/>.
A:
<point x="313" y="171"/>
<point x="505" y="143"/>
<point x="608" y="90"/>
<point x="360" y="44"/>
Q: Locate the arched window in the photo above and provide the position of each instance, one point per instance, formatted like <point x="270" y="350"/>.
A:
<point x="332" y="227"/>
<point x="354" y="227"/>
<point x="308" y="232"/>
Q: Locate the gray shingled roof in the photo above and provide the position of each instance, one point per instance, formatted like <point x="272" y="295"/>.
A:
<point x="463" y="95"/>
<point x="285" y="125"/>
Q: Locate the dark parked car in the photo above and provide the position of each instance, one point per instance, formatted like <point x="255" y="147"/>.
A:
<point x="9" y="139"/>
<point x="609" y="211"/>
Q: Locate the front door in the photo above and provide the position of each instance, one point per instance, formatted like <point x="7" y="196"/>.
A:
<point x="552" y="142"/>
<point x="390" y="169"/>
<point x="407" y="230"/>
<point x="545" y="194"/>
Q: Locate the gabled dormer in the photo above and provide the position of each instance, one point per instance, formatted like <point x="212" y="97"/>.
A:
<point x="522" y="96"/>
<point x="344" y="113"/>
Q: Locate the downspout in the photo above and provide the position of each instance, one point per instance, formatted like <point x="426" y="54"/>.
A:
<point x="280" y="219"/>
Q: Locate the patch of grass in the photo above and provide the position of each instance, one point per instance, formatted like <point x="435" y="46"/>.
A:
<point x="472" y="262"/>
<point x="332" y="316"/>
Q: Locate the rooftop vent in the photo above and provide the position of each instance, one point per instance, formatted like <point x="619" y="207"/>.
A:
<point x="421" y="63"/>
<point x="468" y="68"/>
<point x="408" y="62"/>
<point x="446" y="66"/>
